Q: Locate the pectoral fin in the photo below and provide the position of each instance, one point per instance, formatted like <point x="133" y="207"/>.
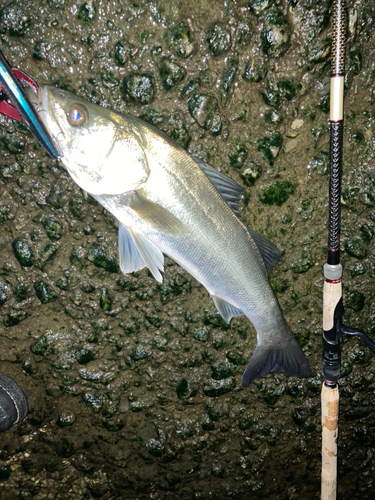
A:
<point x="226" y="310"/>
<point x="156" y="216"/>
<point x="136" y="252"/>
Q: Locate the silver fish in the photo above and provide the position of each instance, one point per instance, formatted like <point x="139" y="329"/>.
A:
<point x="168" y="202"/>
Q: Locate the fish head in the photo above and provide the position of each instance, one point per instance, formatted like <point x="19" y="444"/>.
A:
<point x="100" y="156"/>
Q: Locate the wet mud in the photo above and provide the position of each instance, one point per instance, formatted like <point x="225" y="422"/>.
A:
<point x="134" y="387"/>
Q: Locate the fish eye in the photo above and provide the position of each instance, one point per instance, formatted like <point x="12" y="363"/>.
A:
<point x="77" y="115"/>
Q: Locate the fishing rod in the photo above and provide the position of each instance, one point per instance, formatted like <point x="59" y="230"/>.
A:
<point x="333" y="328"/>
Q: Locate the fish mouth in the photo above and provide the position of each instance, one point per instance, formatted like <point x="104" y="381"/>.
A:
<point x="51" y="112"/>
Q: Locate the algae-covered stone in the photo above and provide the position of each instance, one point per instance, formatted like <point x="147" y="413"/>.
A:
<point x="246" y="421"/>
<point x="14" y="317"/>
<point x="42" y="347"/>
<point x="218" y="39"/>
<point x="159" y="342"/>
<point x="86" y="12"/>
<point x="272" y="389"/>
<point x="179" y="131"/>
<point x="130" y="327"/>
<point x="66" y="418"/>
<point x="277" y="193"/>
<point x="155" y="448"/>
<point x="255" y="70"/>
<point x="355" y="247"/>
<point x="100" y="257"/>
<point x="320" y="54"/>
<point x="6" y="212"/>
<point x="272" y="117"/>
<point x="213" y="318"/>
<point x="45" y="254"/>
<point x="275" y="36"/>
<point x="227" y="80"/>
<point x="87" y="287"/>
<point x="21" y="292"/>
<point x="250" y="173"/>
<point x="181" y="40"/>
<point x="63" y="283"/>
<point x="324" y="104"/>
<point x="155" y="116"/>
<point x="258" y="6"/>
<point x="113" y="425"/>
<point x="244" y="32"/>
<point x="184" y="389"/>
<point x="235" y="357"/>
<point x="217" y="410"/>
<point x="154" y="320"/>
<point x="271" y="96"/>
<point x="304" y="263"/>
<point x="288" y="88"/>
<point x="298" y="389"/>
<point x="215" y="388"/>
<point x="202" y="334"/>
<point x="184" y="430"/>
<point x="77" y="207"/>
<point x="202" y="108"/>
<point x="23" y="252"/>
<point x="270" y="146"/>
<point x="4" y="291"/>
<point x="84" y="355"/>
<point x="367" y="233"/>
<point x="207" y="424"/>
<point x="41" y="49"/>
<point x="238" y="157"/>
<point x="53" y="228"/>
<point x="223" y="369"/>
<point x="45" y="292"/>
<point x="354" y="300"/>
<point x="359" y="354"/>
<point x="138" y="353"/>
<point x="216" y="126"/>
<point x="120" y="54"/>
<point x="190" y="87"/>
<point x="105" y="299"/>
<point x="93" y="400"/>
<point x="56" y="196"/>
<point x="170" y="73"/>
<point x="139" y="87"/>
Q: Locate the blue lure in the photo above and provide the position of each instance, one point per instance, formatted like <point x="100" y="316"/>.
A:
<point x="22" y="105"/>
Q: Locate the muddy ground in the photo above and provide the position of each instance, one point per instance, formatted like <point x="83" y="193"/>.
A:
<point x="134" y="388"/>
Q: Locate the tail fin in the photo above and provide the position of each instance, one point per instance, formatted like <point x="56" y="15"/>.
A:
<point x="288" y="359"/>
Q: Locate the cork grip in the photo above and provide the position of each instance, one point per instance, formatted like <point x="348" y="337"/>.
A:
<point x="330" y="410"/>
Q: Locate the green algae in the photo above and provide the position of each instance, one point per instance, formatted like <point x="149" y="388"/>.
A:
<point x="277" y="193"/>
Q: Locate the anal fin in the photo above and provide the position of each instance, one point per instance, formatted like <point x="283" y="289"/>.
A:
<point x="226" y="310"/>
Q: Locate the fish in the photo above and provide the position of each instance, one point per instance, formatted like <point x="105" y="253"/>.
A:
<point x="168" y="202"/>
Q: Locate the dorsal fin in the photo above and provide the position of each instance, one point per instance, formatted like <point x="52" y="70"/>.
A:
<point x="231" y="193"/>
<point x="269" y="252"/>
<point x="228" y="188"/>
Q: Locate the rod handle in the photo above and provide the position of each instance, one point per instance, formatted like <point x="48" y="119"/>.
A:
<point x="330" y="413"/>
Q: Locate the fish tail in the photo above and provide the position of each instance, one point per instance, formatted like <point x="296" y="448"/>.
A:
<point x="288" y="359"/>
